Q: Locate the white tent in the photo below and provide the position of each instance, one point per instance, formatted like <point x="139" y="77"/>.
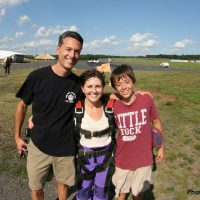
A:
<point x="16" y="56"/>
<point x="45" y="56"/>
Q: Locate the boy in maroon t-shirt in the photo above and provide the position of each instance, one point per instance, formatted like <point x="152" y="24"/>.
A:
<point x="135" y="114"/>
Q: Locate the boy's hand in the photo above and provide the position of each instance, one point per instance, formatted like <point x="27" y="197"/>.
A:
<point x="160" y="155"/>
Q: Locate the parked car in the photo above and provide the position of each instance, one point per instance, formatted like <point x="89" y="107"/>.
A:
<point x="164" y="65"/>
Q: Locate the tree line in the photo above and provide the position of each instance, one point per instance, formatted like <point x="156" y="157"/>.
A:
<point x="101" y="56"/>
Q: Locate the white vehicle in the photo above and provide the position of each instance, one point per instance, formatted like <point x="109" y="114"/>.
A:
<point x="164" y="65"/>
<point x="93" y="61"/>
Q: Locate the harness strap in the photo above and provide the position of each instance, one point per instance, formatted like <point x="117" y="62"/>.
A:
<point x="83" y="161"/>
<point x="94" y="153"/>
<point x="89" y="134"/>
<point x="109" y="106"/>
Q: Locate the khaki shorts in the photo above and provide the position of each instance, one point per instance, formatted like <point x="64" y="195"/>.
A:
<point x="137" y="181"/>
<point x="40" y="167"/>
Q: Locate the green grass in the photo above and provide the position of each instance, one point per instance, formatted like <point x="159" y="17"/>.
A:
<point x="177" y="96"/>
<point x="155" y="62"/>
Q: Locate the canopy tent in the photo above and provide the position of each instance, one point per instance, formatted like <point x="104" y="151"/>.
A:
<point x="45" y="56"/>
<point x="104" y="67"/>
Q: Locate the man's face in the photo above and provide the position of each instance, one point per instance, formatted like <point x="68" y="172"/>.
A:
<point x="69" y="52"/>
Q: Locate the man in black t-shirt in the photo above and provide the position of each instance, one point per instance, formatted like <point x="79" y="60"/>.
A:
<point x="53" y="92"/>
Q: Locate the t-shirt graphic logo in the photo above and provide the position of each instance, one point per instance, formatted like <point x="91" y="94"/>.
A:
<point x="70" y="97"/>
<point x="130" y="123"/>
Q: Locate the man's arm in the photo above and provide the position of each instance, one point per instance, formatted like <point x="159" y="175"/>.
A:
<point x="157" y="124"/>
<point x="117" y="96"/>
<point x="19" y="119"/>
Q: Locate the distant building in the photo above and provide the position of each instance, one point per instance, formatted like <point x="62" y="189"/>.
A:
<point x="16" y="56"/>
<point x="174" y="60"/>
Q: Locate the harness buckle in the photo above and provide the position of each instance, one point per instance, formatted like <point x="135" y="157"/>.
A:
<point x="84" y="152"/>
<point x="109" y="110"/>
<point x="79" y="110"/>
<point x="92" y="133"/>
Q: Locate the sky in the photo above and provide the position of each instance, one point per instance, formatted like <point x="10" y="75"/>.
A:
<point x="109" y="27"/>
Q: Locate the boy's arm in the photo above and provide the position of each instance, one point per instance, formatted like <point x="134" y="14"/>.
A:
<point x="157" y="124"/>
<point x="19" y="119"/>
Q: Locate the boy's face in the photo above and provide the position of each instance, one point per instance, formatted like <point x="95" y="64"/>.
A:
<point x="125" y="88"/>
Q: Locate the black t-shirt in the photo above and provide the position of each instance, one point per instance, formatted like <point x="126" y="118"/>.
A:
<point x="53" y="99"/>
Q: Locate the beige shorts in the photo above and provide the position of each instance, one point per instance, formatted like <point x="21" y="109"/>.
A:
<point x="40" y="167"/>
<point x="137" y="181"/>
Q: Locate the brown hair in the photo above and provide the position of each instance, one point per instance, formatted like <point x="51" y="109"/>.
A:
<point x="92" y="73"/>
<point x="119" y="72"/>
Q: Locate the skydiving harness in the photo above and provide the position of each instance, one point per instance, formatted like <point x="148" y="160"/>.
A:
<point x="84" y="155"/>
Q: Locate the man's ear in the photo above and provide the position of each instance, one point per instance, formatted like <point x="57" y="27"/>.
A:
<point x="57" y="49"/>
<point x="82" y="89"/>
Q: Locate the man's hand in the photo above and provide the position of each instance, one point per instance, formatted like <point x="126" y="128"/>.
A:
<point x="30" y="122"/>
<point x="21" y="145"/>
<point x="143" y="92"/>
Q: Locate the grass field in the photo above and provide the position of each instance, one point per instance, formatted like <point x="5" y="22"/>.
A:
<point x="177" y="95"/>
<point x="155" y="62"/>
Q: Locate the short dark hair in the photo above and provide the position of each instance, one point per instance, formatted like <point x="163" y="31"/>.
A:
<point x="92" y="73"/>
<point x="119" y="72"/>
<point x="72" y="34"/>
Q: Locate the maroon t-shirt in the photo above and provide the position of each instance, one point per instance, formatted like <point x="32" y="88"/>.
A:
<point x="134" y="148"/>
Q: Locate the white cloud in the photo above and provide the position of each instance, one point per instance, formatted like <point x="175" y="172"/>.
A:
<point x="19" y="34"/>
<point x="111" y="40"/>
<point x="150" y="43"/>
<point x="9" y="3"/>
<point x="137" y="38"/>
<point x="45" y="32"/>
<point x="142" y="42"/>
<point x="23" y="20"/>
<point x="2" y="12"/>
<point x="3" y="46"/>
<point x="183" y="43"/>
<point x="41" y="42"/>
<point x="6" y="39"/>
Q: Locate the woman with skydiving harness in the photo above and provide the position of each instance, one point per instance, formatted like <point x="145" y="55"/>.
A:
<point x="95" y="134"/>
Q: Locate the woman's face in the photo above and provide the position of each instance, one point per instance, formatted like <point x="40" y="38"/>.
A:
<point x="93" y="89"/>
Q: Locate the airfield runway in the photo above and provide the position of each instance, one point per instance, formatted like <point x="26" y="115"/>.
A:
<point x="82" y="64"/>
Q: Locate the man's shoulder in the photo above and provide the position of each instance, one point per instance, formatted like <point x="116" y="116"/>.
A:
<point x="74" y="75"/>
<point x="42" y="69"/>
<point x="39" y="71"/>
<point x="74" y="78"/>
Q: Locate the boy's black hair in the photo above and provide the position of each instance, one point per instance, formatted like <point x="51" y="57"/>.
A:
<point x="72" y="34"/>
<point x="119" y="72"/>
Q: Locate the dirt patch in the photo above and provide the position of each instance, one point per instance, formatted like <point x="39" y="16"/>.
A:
<point x="16" y="188"/>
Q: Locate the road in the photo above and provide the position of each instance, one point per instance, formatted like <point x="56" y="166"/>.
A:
<point x="86" y="65"/>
